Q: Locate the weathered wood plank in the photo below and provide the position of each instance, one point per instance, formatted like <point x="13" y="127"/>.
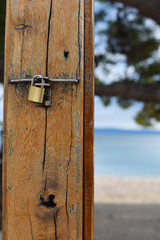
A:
<point x="43" y="148"/>
<point x="89" y="121"/>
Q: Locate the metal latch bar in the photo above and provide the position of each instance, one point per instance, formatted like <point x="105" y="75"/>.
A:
<point x="44" y="78"/>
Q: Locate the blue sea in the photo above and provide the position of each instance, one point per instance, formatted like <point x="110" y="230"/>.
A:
<point x="127" y="153"/>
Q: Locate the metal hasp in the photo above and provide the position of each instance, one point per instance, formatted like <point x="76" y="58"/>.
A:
<point x="44" y="78"/>
<point x="33" y="95"/>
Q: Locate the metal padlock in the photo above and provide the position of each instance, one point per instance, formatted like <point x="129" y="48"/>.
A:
<point x="36" y="94"/>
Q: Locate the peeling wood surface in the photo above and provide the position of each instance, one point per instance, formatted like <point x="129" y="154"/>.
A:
<point x="43" y="147"/>
<point x="88" y="121"/>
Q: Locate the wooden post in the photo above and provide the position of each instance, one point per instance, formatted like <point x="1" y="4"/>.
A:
<point x="88" y="120"/>
<point x="48" y="152"/>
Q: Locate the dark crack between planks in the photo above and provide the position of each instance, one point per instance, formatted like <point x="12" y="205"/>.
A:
<point x="48" y="37"/>
<point x="47" y="53"/>
<point x="79" y="41"/>
<point x="22" y="52"/>
<point x="55" y="226"/>
<point x="45" y="184"/>
<point x="67" y="167"/>
<point x="30" y="224"/>
<point x="45" y="140"/>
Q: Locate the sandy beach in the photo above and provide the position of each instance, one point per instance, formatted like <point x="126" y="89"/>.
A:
<point x="127" y="208"/>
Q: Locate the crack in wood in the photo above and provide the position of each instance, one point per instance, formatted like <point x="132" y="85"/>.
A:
<point x="49" y="23"/>
<point x="67" y="167"/>
<point x="55" y="225"/>
<point x="45" y="184"/>
<point x="45" y="142"/>
<point x="48" y="37"/>
<point x="22" y="53"/>
<point x="30" y="225"/>
<point x="79" y="41"/>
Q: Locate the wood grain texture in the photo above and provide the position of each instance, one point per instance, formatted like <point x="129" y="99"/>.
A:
<point x="89" y="121"/>
<point x="43" y="147"/>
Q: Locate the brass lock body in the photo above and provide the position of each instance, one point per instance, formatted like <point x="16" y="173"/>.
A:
<point x="36" y="94"/>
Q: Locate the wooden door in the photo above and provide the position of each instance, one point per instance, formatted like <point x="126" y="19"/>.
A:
<point x="45" y="148"/>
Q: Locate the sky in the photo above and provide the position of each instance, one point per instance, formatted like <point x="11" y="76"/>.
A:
<point x="114" y="116"/>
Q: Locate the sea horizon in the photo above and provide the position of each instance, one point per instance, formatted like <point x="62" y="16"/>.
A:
<point x="113" y="130"/>
<point x="127" y="153"/>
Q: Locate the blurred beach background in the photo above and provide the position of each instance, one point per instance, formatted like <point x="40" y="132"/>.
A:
<point x="127" y="175"/>
<point x="127" y="132"/>
<point x="127" y="180"/>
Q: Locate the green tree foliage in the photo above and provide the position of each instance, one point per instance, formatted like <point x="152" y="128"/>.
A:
<point x="131" y="37"/>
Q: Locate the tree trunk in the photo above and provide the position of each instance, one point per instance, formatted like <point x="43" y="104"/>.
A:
<point x="130" y="90"/>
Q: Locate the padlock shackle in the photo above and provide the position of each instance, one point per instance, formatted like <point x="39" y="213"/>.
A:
<point x="35" y="77"/>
